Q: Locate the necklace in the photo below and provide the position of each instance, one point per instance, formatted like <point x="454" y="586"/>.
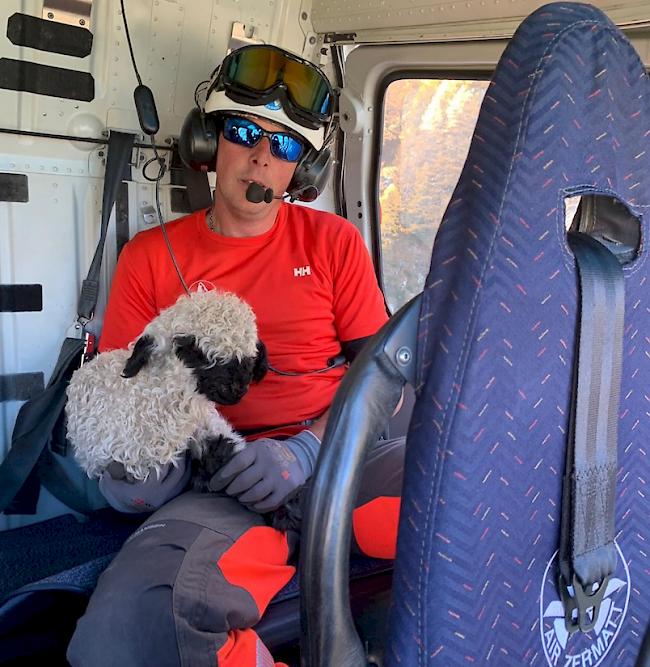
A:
<point x="211" y="223"/>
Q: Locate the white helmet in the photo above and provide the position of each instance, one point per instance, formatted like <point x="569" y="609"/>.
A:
<point x="219" y="102"/>
<point x="273" y="83"/>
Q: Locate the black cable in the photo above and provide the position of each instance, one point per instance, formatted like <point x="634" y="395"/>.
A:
<point x="334" y="362"/>
<point x="162" y="165"/>
<point x="67" y="137"/>
<point x="205" y="84"/>
<point x="128" y="39"/>
<point x="161" y="173"/>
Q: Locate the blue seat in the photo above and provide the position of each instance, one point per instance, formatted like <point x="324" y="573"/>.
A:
<point x="567" y="114"/>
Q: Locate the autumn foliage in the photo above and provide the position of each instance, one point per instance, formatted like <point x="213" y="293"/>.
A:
<point x="428" y="124"/>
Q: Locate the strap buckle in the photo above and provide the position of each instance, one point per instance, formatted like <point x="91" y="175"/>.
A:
<point x="582" y="608"/>
<point x="77" y="329"/>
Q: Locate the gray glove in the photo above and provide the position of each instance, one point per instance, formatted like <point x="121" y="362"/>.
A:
<point x="128" y="495"/>
<point x="266" y="472"/>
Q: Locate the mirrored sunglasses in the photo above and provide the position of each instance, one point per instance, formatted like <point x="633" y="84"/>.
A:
<point x="245" y="132"/>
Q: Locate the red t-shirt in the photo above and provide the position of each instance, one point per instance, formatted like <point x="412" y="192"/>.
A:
<point x="309" y="280"/>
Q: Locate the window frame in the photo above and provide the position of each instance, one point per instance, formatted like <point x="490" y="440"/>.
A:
<point x="377" y="252"/>
<point x="369" y="70"/>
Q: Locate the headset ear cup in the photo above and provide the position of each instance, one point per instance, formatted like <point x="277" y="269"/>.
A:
<point x="310" y="177"/>
<point x="197" y="143"/>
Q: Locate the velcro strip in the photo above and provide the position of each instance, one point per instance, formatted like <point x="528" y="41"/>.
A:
<point x="21" y="298"/>
<point x="46" y="80"/>
<point x="13" y="187"/>
<point x="52" y="36"/>
<point x="21" y="386"/>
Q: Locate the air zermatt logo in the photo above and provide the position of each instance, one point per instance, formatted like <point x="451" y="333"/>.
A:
<point x="582" y="649"/>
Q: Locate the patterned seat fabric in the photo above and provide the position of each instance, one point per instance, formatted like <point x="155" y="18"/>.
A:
<point x="567" y="113"/>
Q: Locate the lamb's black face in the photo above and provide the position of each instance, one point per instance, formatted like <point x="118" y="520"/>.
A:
<point x="226" y="383"/>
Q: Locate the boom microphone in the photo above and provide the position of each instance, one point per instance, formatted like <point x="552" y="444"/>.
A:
<point x="257" y="194"/>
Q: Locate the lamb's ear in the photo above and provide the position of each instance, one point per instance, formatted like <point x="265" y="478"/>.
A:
<point x="261" y="362"/>
<point x="139" y="357"/>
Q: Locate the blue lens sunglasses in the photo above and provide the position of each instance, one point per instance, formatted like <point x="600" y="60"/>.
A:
<point x="245" y="132"/>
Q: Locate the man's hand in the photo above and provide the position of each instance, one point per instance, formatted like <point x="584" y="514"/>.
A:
<point x="266" y="472"/>
<point x="127" y="494"/>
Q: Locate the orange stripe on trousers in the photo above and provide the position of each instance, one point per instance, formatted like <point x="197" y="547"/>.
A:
<point x="375" y="526"/>
<point x="243" y="648"/>
<point x="257" y="562"/>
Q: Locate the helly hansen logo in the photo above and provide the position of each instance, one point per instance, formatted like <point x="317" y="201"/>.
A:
<point x="301" y="271"/>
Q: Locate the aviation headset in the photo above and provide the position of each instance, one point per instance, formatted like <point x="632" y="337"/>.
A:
<point x="199" y="138"/>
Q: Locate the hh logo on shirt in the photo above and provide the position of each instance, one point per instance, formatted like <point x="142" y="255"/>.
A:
<point x="300" y="271"/>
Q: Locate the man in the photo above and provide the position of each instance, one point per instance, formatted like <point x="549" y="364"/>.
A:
<point x="189" y="585"/>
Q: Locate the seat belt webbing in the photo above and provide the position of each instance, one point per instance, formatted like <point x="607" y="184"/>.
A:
<point x="19" y="484"/>
<point x="587" y="552"/>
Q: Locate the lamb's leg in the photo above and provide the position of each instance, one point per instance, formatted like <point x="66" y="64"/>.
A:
<point x="217" y="451"/>
<point x="289" y="516"/>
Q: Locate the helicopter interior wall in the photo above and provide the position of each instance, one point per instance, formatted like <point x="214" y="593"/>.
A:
<point x="48" y="234"/>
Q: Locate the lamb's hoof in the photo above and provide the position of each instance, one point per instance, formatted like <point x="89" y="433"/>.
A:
<point x="201" y="485"/>
<point x="288" y="517"/>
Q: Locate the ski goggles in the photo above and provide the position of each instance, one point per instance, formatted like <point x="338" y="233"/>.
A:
<point x="245" y="132"/>
<point x="260" y="74"/>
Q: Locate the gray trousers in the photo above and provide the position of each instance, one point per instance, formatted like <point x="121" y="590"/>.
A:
<point x="191" y="582"/>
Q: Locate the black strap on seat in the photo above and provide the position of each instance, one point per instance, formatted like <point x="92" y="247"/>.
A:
<point x="587" y="554"/>
<point x="30" y="461"/>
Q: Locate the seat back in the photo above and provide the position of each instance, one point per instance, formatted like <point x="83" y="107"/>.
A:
<point x="567" y="113"/>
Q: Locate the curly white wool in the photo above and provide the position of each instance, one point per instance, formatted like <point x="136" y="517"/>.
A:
<point x="151" y="419"/>
<point x="223" y="324"/>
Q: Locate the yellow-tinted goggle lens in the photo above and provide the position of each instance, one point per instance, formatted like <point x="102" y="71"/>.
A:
<point x="262" y="68"/>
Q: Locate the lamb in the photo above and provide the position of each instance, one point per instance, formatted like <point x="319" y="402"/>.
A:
<point x="145" y="406"/>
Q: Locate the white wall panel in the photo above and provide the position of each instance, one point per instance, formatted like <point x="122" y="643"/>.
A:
<point x="177" y="43"/>
<point x="50" y="239"/>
